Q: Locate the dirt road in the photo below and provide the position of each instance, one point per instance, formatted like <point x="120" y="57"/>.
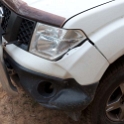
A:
<point x="23" y="110"/>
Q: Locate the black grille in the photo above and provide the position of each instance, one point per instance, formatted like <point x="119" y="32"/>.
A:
<point x="25" y="27"/>
<point x="26" y="31"/>
<point x="7" y="14"/>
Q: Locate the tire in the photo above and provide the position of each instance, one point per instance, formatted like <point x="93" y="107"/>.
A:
<point x="108" y="91"/>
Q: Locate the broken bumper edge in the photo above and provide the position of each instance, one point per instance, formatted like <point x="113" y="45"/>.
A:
<point x="52" y="92"/>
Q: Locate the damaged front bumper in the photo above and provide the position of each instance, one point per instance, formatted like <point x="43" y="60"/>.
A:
<point x="51" y="92"/>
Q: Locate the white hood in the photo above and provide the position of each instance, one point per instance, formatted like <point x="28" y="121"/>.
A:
<point x="64" y="8"/>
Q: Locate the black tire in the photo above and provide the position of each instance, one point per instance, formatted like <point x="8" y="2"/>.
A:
<point x="96" y="112"/>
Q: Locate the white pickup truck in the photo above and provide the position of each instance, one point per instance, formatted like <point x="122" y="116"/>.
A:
<point x="67" y="54"/>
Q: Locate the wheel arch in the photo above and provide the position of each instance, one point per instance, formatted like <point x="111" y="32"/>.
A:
<point x="118" y="62"/>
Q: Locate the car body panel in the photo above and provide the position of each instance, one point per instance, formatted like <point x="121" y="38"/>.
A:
<point x="52" y="12"/>
<point x="104" y="26"/>
<point x="110" y="40"/>
<point x="76" y="64"/>
<point x="65" y="8"/>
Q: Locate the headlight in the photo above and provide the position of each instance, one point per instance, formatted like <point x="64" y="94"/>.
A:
<point x="51" y="42"/>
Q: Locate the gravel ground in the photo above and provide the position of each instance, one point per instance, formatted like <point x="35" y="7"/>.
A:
<point x="24" y="110"/>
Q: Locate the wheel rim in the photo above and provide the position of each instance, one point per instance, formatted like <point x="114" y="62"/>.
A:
<point x="115" y="105"/>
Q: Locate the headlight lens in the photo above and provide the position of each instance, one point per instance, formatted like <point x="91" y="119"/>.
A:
<point x="51" y="42"/>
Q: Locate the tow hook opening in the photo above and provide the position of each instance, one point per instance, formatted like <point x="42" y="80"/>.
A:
<point x="46" y="89"/>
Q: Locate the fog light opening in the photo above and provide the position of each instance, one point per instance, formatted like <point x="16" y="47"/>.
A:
<point x="46" y="89"/>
